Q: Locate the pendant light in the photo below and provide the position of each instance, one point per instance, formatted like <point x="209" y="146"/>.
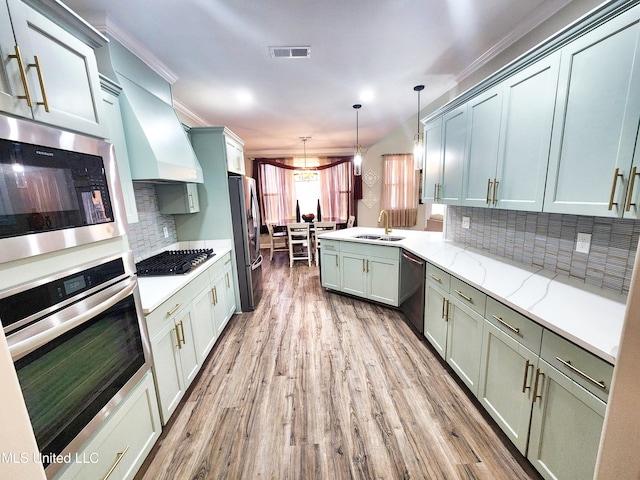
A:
<point x="306" y="175"/>
<point x="357" y="154"/>
<point x="418" y="138"/>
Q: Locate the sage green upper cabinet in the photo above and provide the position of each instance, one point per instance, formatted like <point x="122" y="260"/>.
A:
<point x="596" y="120"/>
<point x="525" y="135"/>
<point x="59" y="82"/>
<point x="235" y="153"/>
<point x="11" y="86"/>
<point x="482" y="149"/>
<point x="432" y="171"/>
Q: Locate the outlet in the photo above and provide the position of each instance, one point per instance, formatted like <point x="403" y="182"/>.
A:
<point x="466" y="222"/>
<point x="583" y="243"/>
<point x="165" y="230"/>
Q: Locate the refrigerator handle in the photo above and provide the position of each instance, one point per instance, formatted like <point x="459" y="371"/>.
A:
<point x="257" y="263"/>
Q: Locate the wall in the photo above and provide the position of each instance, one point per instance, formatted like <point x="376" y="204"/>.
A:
<point x="147" y="236"/>
<point x="548" y="240"/>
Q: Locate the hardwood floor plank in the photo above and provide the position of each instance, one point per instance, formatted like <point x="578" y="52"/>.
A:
<point x="316" y="385"/>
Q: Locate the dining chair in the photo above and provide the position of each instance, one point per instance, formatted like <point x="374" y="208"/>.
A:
<point x="320" y="227"/>
<point x="351" y="221"/>
<point x="278" y="241"/>
<point x="299" y="236"/>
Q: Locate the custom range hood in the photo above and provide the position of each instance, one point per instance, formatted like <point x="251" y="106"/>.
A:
<point x="158" y="147"/>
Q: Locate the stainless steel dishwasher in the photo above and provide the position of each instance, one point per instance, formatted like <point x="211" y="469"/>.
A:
<point x="412" y="278"/>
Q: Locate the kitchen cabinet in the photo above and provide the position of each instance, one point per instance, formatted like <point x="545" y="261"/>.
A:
<point x="235" y="154"/>
<point x="509" y="135"/>
<point x="432" y="170"/>
<point x="370" y="271"/>
<point x="593" y="142"/>
<point x="567" y="418"/>
<point x="176" y="198"/>
<point x="204" y="322"/>
<point x="330" y="263"/>
<point x="230" y="288"/>
<point x="51" y="74"/>
<point x="115" y="134"/>
<point x="510" y="348"/>
<point x="123" y="442"/>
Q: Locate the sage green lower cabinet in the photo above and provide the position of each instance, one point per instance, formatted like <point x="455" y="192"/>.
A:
<point x="203" y="306"/>
<point x="330" y="264"/>
<point x="566" y="425"/>
<point x="435" y="321"/>
<point x="507" y="371"/>
<point x="124" y="441"/>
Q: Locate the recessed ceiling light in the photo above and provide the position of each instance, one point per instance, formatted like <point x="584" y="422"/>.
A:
<point x="366" y="95"/>
<point x="244" y="97"/>
<point x="290" y="52"/>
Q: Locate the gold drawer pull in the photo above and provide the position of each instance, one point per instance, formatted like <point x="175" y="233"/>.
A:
<point x="439" y="280"/>
<point x="175" y="329"/>
<point x="567" y="363"/>
<point x="489" y="182"/>
<point x="113" y="467"/>
<point x="173" y="310"/>
<point x="535" y="387"/>
<point x="526" y="376"/>
<point x="616" y="174"/>
<point x="182" y="332"/>
<point x="502" y="322"/>
<point x="191" y="204"/>
<point x="227" y="261"/>
<point x="23" y="76"/>
<point x="44" y="101"/>
<point x="468" y="299"/>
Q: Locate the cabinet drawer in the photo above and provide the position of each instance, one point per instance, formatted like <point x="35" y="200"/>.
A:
<point x="517" y="326"/>
<point x="469" y="296"/>
<point x="583" y="367"/>
<point x="370" y="250"/>
<point x="438" y="277"/>
<point x="330" y="245"/>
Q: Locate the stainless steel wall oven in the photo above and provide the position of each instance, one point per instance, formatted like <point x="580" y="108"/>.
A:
<point x="79" y="345"/>
<point x="57" y="190"/>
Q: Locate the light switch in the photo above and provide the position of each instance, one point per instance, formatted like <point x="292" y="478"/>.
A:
<point x="583" y="243"/>
<point x="466" y="222"/>
<point x="165" y="230"/>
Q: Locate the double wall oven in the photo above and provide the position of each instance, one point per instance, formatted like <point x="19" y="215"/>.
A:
<point x="75" y="331"/>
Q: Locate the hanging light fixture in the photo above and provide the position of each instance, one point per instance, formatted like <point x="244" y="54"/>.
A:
<point x="357" y="154"/>
<point x="418" y="138"/>
<point x="305" y="175"/>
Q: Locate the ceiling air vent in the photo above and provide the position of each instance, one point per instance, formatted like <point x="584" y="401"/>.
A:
<point x="290" y="52"/>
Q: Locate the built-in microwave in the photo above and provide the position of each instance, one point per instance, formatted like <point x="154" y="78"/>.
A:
<point x="57" y="190"/>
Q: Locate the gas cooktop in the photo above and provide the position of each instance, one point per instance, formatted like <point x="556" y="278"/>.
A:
<point x="173" y="262"/>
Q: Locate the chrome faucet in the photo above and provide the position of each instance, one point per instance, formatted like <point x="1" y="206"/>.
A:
<point x="387" y="228"/>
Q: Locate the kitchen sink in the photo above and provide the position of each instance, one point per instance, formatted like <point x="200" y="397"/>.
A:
<point x="384" y="238"/>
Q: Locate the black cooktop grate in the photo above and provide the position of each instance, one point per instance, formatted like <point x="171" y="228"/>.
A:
<point x="172" y="262"/>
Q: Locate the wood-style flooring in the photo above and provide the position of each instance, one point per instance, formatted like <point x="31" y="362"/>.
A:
<point x="316" y="385"/>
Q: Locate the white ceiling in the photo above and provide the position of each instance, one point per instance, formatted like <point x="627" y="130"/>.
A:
<point x="219" y="50"/>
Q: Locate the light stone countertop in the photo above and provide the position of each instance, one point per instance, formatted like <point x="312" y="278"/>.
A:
<point x="588" y="316"/>
<point x="155" y="290"/>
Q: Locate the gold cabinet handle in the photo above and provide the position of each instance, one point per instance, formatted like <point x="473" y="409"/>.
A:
<point x="363" y="266"/>
<point x="495" y="190"/>
<point x="227" y="277"/>
<point x="437" y="279"/>
<point x="489" y="182"/>
<point x="182" y="333"/>
<point x="23" y="76"/>
<point x="227" y="261"/>
<point x="446" y="313"/>
<point x="192" y="205"/>
<point x="115" y="464"/>
<point x="175" y="329"/>
<point x="173" y="310"/>
<point x="367" y="265"/>
<point x="337" y="261"/>
<point x="567" y="363"/>
<point x="215" y="296"/>
<point x="502" y="322"/>
<point x="535" y="387"/>
<point x="632" y="181"/>
<point x="468" y="299"/>
<point x="435" y="192"/>
<point x="526" y="376"/>
<point x="443" y="303"/>
<point x="439" y="187"/>
<point x="616" y="174"/>
<point x="44" y="101"/>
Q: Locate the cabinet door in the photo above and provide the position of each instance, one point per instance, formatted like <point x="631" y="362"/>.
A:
<point x="220" y="311"/>
<point x="203" y="323"/>
<point x="354" y="274"/>
<point x="566" y="425"/>
<point x="235" y="157"/>
<point x="596" y="120"/>
<point x="11" y="86"/>
<point x="432" y="172"/>
<point x="177" y="198"/>
<point x="525" y="135"/>
<point x="189" y="358"/>
<point x="435" y="317"/>
<point x="231" y="292"/>
<point x="464" y="343"/>
<point x="330" y="269"/>
<point x="482" y="149"/>
<point x="454" y="134"/>
<point x="505" y="388"/>
<point x="382" y="282"/>
<point x="167" y="370"/>
<point x="68" y="69"/>
<point x="115" y="134"/>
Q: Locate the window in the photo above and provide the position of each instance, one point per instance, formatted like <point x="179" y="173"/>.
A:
<point x="400" y="190"/>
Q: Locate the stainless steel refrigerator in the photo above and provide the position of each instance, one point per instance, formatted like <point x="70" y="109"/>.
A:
<point x="245" y="214"/>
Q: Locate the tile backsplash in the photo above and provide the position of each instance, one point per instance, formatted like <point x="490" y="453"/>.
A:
<point x="548" y="240"/>
<point x="147" y="235"/>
